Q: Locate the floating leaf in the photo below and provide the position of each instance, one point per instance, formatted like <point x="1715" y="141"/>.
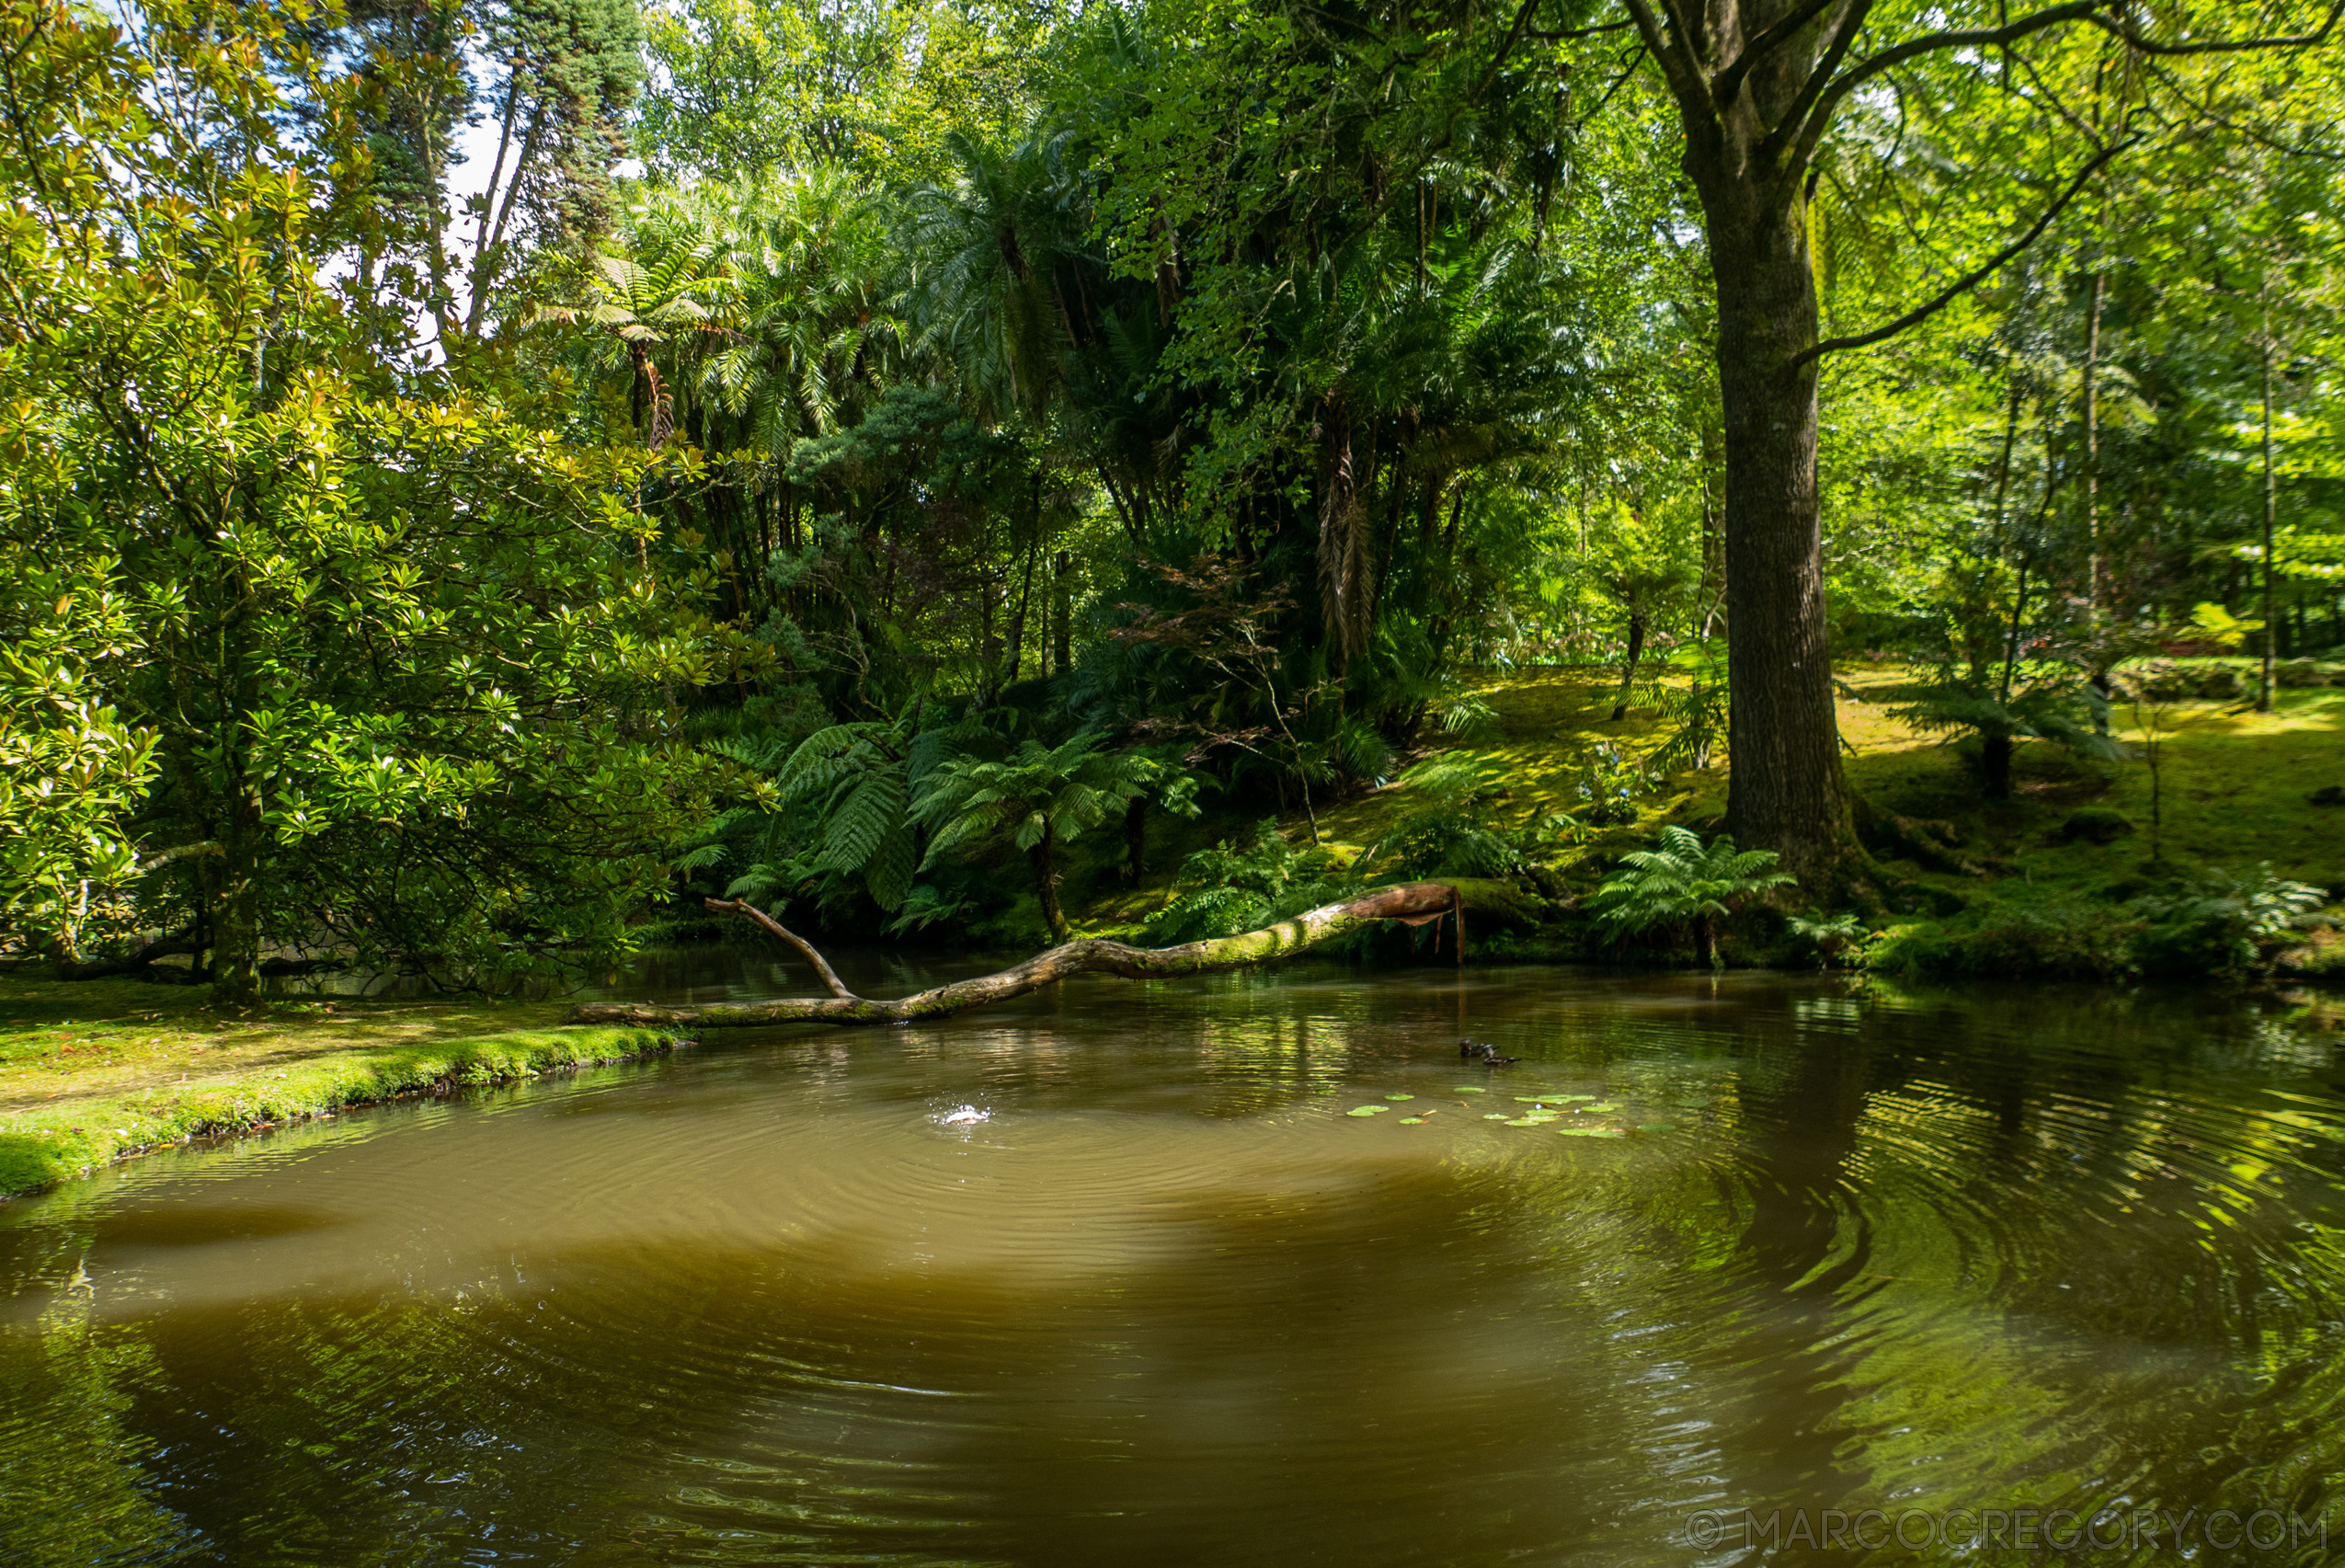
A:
<point x="1495" y="1116"/>
<point x="1410" y="1121"/>
<point x="1655" y="1126"/>
<point x="1601" y="1108"/>
<point x="1399" y="1097"/>
<point x="1470" y="1089"/>
<point x="1589" y="1132"/>
<point x="1525" y="1121"/>
<point x="1367" y="1110"/>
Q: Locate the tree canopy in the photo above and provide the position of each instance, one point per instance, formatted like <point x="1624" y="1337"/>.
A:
<point x="476" y="475"/>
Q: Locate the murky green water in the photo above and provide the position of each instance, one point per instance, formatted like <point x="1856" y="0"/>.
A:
<point x="1169" y="1303"/>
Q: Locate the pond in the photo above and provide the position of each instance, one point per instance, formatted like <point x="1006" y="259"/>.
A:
<point x="1237" y="1271"/>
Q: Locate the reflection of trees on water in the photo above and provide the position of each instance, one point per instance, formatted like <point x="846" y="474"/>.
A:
<point x="1980" y="1251"/>
<point x="2005" y="1251"/>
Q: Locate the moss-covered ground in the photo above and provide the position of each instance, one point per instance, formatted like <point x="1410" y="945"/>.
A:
<point x="2234" y="793"/>
<point x="93" y="1071"/>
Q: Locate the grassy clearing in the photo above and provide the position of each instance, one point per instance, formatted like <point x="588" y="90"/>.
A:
<point x="95" y="1070"/>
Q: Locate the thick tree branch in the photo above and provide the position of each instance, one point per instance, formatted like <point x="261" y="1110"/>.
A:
<point x="1827" y="92"/>
<point x="1412" y="903"/>
<point x="1727" y="83"/>
<point x="1977" y="275"/>
<point x="830" y="981"/>
<point x="158" y="860"/>
<point x="2134" y="40"/>
<point x="1676" y="62"/>
<point x="1844" y="38"/>
<point x="130" y="963"/>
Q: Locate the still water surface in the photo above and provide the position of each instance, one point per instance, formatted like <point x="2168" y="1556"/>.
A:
<point x="1168" y="1303"/>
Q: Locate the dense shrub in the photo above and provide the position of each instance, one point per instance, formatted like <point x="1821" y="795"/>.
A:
<point x="2045" y="942"/>
<point x="1238" y="887"/>
<point x="2218" y="926"/>
<point x="2320" y="956"/>
<point x="1451" y="832"/>
<point x="2307" y="672"/>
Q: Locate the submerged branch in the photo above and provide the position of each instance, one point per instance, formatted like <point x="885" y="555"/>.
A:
<point x="1414" y="903"/>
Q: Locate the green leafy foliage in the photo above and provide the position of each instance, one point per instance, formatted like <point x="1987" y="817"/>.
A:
<point x="1449" y="830"/>
<point x="392" y="656"/>
<point x="1231" y="888"/>
<point x="1832" y="937"/>
<point x="2222" y="924"/>
<point x="1040" y="798"/>
<point x="1681" y="882"/>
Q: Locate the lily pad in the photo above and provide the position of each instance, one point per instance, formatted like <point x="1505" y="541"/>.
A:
<point x="1410" y="1121"/>
<point x="1528" y="1121"/>
<point x="1589" y="1132"/>
<point x="1470" y="1089"/>
<point x="1601" y="1107"/>
<point x="1399" y="1097"/>
<point x="1367" y="1110"/>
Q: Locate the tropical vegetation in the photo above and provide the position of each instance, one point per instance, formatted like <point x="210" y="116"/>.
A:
<point x="478" y="480"/>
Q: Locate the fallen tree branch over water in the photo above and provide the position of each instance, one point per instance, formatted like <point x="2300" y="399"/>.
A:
<point x="1412" y="903"/>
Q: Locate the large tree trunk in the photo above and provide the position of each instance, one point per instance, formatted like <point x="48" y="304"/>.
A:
<point x="1412" y="903"/>
<point x="236" y="970"/>
<point x="1785" y="791"/>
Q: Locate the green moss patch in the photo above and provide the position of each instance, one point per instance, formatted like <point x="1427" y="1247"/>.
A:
<point x="83" y="1090"/>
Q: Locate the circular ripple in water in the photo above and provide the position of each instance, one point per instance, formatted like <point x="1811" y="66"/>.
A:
<point x="1117" y="1278"/>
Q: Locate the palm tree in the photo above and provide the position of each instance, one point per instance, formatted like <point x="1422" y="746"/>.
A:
<point x="1682" y="881"/>
<point x="1044" y="796"/>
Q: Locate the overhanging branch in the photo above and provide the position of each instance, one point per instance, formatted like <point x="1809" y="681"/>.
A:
<point x="1973" y="278"/>
<point x="2134" y="40"/>
<point x="1727" y="83"/>
<point x="1412" y="903"/>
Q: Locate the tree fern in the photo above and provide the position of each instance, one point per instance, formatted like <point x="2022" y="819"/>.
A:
<point x="1041" y="797"/>
<point x="1228" y="889"/>
<point x="1449" y="832"/>
<point x="1680" y="883"/>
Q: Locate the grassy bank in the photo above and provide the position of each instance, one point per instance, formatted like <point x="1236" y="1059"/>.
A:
<point x="2079" y="849"/>
<point x="93" y="1072"/>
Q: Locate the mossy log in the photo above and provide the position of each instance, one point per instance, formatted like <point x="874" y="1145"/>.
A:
<point x="1412" y="903"/>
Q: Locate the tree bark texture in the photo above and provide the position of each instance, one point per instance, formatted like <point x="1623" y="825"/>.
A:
<point x="1414" y="903"/>
<point x="1994" y="764"/>
<point x="1742" y="108"/>
<point x="1785" y="791"/>
<point x="1135" y="840"/>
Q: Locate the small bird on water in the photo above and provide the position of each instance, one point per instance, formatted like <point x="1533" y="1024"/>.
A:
<point x="1482" y="1050"/>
